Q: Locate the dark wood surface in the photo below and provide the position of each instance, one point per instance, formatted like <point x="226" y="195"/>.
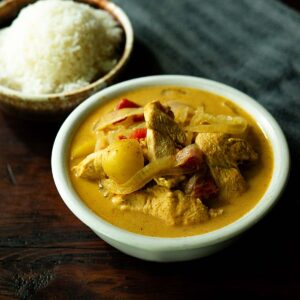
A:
<point x="47" y="253"/>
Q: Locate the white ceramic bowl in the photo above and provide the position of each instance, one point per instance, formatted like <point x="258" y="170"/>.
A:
<point x="169" y="249"/>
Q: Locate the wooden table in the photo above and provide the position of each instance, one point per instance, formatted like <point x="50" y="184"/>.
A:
<point x="47" y="253"/>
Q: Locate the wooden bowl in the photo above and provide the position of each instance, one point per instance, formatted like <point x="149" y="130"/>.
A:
<point x="49" y="107"/>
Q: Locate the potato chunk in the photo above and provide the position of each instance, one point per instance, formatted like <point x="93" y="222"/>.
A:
<point x="122" y="159"/>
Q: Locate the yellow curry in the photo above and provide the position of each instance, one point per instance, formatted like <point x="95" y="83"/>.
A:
<point x="170" y="162"/>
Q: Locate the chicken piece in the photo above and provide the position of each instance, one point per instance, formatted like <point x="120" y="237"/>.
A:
<point x="90" y="167"/>
<point x="223" y="155"/>
<point x="239" y="150"/>
<point x="225" y="151"/>
<point x="215" y="212"/>
<point x="159" y="145"/>
<point x="164" y="135"/>
<point x="230" y="181"/>
<point x="169" y="181"/>
<point x="172" y="207"/>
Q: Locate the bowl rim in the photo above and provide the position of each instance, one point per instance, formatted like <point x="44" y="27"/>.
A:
<point x="124" y="21"/>
<point x="59" y="164"/>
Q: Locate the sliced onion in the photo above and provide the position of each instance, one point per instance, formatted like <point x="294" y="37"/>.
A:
<point x="178" y="164"/>
<point x="117" y="115"/>
<point x="182" y="112"/>
<point x="222" y="128"/>
<point x="176" y="171"/>
<point x="122" y="131"/>
<point x="142" y="177"/>
<point x="101" y="140"/>
<point x="204" y="122"/>
<point x="113" y="135"/>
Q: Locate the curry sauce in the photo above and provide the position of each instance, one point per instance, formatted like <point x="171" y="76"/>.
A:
<point x="257" y="176"/>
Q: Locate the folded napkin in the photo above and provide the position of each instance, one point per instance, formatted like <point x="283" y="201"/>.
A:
<point x="253" y="45"/>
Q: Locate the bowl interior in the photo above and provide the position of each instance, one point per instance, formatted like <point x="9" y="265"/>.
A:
<point x="267" y="123"/>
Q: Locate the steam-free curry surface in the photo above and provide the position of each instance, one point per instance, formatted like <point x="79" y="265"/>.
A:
<point x="257" y="177"/>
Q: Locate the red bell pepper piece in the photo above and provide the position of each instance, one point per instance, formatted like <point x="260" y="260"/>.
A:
<point x="125" y="103"/>
<point x="122" y="137"/>
<point x="138" y="134"/>
<point x="138" y="118"/>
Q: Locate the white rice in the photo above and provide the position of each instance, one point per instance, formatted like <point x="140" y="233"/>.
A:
<point x="57" y="46"/>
